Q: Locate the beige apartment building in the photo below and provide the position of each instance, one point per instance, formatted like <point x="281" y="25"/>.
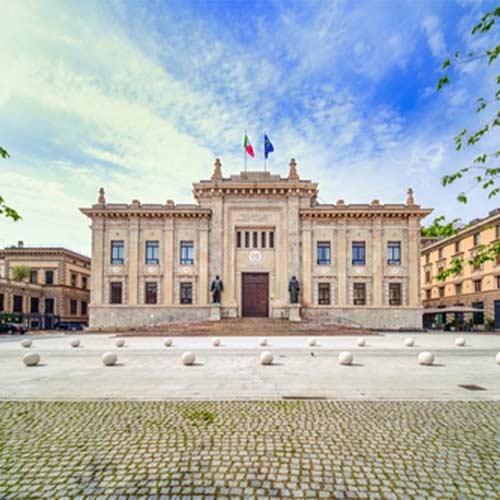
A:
<point x="356" y="264"/>
<point x="56" y="290"/>
<point x="476" y="286"/>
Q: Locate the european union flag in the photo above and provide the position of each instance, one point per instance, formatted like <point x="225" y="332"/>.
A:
<point x="268" y="146"/>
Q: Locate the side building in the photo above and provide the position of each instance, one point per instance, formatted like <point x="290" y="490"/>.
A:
<point x="476" y="286"/>
<point x="44" y="286"/>
<point x="356" y="264"/>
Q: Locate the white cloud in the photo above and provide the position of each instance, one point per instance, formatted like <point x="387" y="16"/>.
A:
<point x="435" y="38"/>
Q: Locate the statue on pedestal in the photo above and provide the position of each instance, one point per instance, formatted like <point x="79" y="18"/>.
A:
<point x="294" y="289"/>
<point x="216" y="288"/>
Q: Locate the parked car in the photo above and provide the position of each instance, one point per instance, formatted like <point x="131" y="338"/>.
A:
<point x="66" y="325"/>
<point x="13" y="328"/>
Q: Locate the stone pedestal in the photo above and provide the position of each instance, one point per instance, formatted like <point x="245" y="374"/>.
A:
<point x="214" y="312"/>
<point x="294" y="312"/>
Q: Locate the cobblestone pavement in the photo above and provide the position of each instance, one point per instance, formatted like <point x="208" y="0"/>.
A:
<point x="307" y="449"/>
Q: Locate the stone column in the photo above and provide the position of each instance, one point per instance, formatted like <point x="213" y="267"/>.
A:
<point x="413" y="262"/>
<point x="168" y="259"/>
<point x="342" y="263"/>
<point x="133" y="260"/>
<point x="378" y="262"/>
<point x="293" y="237"/>
<point x="97" y="263"/>
<point x="203" y="282"/>
<point x="306" y="263"/>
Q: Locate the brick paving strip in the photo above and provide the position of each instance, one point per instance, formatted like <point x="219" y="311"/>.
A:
<point x="265" y="449"/>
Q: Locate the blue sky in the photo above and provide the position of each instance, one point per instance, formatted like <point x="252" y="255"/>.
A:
<point x="141" y="97"/>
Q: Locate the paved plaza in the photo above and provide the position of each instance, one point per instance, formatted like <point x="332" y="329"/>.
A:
<point x="260" y="449"/>
<point x="146" y="370"/>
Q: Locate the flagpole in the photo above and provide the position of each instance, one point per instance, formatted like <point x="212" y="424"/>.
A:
<point x="265" y="156"/>
<point x="245" y="152"/>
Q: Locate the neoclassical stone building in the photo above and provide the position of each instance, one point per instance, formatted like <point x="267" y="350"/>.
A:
<point x="356" y="264"/>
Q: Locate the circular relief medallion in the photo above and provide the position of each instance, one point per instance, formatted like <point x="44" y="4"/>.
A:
<point x="116" y="269"/>
<point x="151" y="269"/>
<point x="255" y="256"/>
<point x="395" y="270"/>
<point x="323" y="270"/>
<point x="359" y="270"/>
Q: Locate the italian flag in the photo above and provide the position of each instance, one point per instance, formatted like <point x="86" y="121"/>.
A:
<point x="247" y="146"/>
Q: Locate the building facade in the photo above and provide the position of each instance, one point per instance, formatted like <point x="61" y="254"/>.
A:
<point x="477" y="285"/>
<point x="356" y="264"/>
<point x="56" y="288"/>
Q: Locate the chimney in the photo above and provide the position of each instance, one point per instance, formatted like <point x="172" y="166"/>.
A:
<point x="20" y="244"/>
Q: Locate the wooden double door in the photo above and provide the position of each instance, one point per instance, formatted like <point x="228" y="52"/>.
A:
<point x="255" y="295"/>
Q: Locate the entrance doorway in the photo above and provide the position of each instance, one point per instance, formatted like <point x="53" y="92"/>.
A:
<point x="255" y="295"/>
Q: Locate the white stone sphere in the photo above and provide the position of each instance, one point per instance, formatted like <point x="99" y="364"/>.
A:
<point x="361" y="342"/>
<point x="75" y="343"/>
<point x="188" y="358"/>
<point x="31" y="359"/>
<point x="266" y="358"/>
<point x="216" y="342"/>
<point x="167" y="342"/>
<point x="346" y="358"/>
<point x="109" y="358"/>
<point x="26" y="343"/>
<point x="460" y="342"/>
<point x="498" y="358"/>
<point x="120" y="343"/>
<point x="425" y="358"/>
<point x="409" y="342"/>
<point x="263" y="341"/>
<point x="312" y="342"/>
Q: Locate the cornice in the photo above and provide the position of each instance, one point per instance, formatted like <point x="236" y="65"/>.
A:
<point x="364" y="212"/>
<point x="42" y="252"/>
<point x="108" y="211"/>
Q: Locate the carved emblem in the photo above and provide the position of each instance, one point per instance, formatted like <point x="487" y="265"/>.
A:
<point x="394" y="270"/>
<point x="255" y="256"/>
<point x="151" y="269"/>
<point x="359" y="270"/>
<point x="116" y="269"/>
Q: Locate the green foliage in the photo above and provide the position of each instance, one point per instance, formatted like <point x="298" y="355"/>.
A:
<point x="440" y="228"/>
<point x="19" y="273"/>
<point x="8" y="212"/>
<point x="482" y="173"/>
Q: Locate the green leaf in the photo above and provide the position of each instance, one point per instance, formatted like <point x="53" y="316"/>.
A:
<point x="462" y="198"/>
<point x="446" y="64"/>
<point x="442" y="82"/>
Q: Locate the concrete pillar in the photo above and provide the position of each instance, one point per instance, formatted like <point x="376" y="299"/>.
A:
<point x="378" y="262"/>
<point x="97" y="282"/>
<point x="133" y="261"/>
<point x="307" y="253"/>
<point x="168" y="262"/>
<point x="203" y="281"/>
<point x="414" y="261"/>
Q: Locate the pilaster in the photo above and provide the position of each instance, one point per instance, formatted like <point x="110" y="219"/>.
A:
<point x="342" y="263"/>
<point x="378" y="262"/>
<point x="97" y="263"/>
<point x="133" y="260"/>
<point x="168" y="259"/>
<point x="306" y="264"/>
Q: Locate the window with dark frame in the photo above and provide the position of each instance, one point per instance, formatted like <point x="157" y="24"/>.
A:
<point x="117" y="252"/>
<point x="457" y="246"/>
<point x="271" y="239"/>
<point x="73" y="280"/>
<point x="187" y="253"/>
<point x="395" y="298"/>
<point x="477" y="285"/>
<point x="73" y="307"/>
<point x="49" y="306"/>
<point x="324" y="294"/>
<point x="440" y="253"/>
<point x="478" y="317"/>
<point x="476" y="239"/>
<point x="498" y="281"/>
<point x="152" y="252"/>
<point x="458" y="289"/>
<point x="34" y="276"/>
<point x="323" y="257"/>
<point x="359" y="294"/>
<point x="427" y="258"/>
<point x="497" y="231"/>
<point x="428" y="295"/>
<point x="186" y="293"/>
<point x="394" y="253"/>
<point x="84" y="308"/>
<point x="116" y="292"/>
<point x="427" y="276"/>
<point x="247" y="239"/>
<point x="2" y="302"/>
<point x="255" y="239"/>
<point x="263" y="239"/>
<point x="17" y="305"/>
<point x="34" y="305"/>
<point x="151" y="292"/>
<point x="49" y="277"/>
<point x="358" y="253"/>
<point x="238" y="239"/>
<point x="441" y="291"/>
<point x="84" y="282"/>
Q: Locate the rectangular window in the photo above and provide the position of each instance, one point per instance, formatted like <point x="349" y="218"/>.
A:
<point x="394" y="253"/>
<point x="2" y="302"/>
<point x="427" y="258"/>
<point x="17" y="305"/>
<point x="457" y="246"/>
<point x="323" y="253"/>
<point x="187" y="253"/>
<point x="247" y="239"/>
<point x="49" y="306"/>
<point x="359" y="294"/>
<point x="395" y="298"/>
<point x="151" y="293"/>
<point x="427" y="276"/>
<point x="33" y="276"/>
<point x="324" y="294"/>
<point x="498" y="281"/>
<point x="358" y="253"/>
<point x="263" y="239"/>
<point x="84" y="282"/>
<point x="271" y="239"/>
<point x="441" y="291"/>
<point x="117" y="252"/>
<point x="255" y="239"/>
<point x="478" y="317"/>
<point x="440" y="253"/>
<point x="238" y="239"/>
<point x="428" y="295"/>
<point x="497" y="231"/>
<point x="186" y="293"/>
<point x="49" y="277"/>
<point x="116" y="292"/>
<point x="458" y="289"/>
<point x="477" y="285"/>
<point x="73" y="306"/>
<point x="34" y="305"/>
<point x="73" y="280"/>
<point x="477" y="239"/>
<point x="152" y="252"/>
<point x="84" y="308"/>
<point x="476" y="264"/>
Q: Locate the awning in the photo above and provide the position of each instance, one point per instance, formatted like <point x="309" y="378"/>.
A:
<point x="452" y="309"/>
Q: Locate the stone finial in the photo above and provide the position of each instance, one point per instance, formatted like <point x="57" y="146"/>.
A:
<point x="375" y="203"/>
<point x="102" y="199"/>
<point x="340" y="203"/>
<point x="135" y="204"/>
<point x="409" y="197"/>
<point x="292" y="172"/>
<point x="170" y="204"/>
<point x="217" y="175"/>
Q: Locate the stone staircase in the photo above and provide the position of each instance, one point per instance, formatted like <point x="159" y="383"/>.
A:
<point x="248" y="327"/>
